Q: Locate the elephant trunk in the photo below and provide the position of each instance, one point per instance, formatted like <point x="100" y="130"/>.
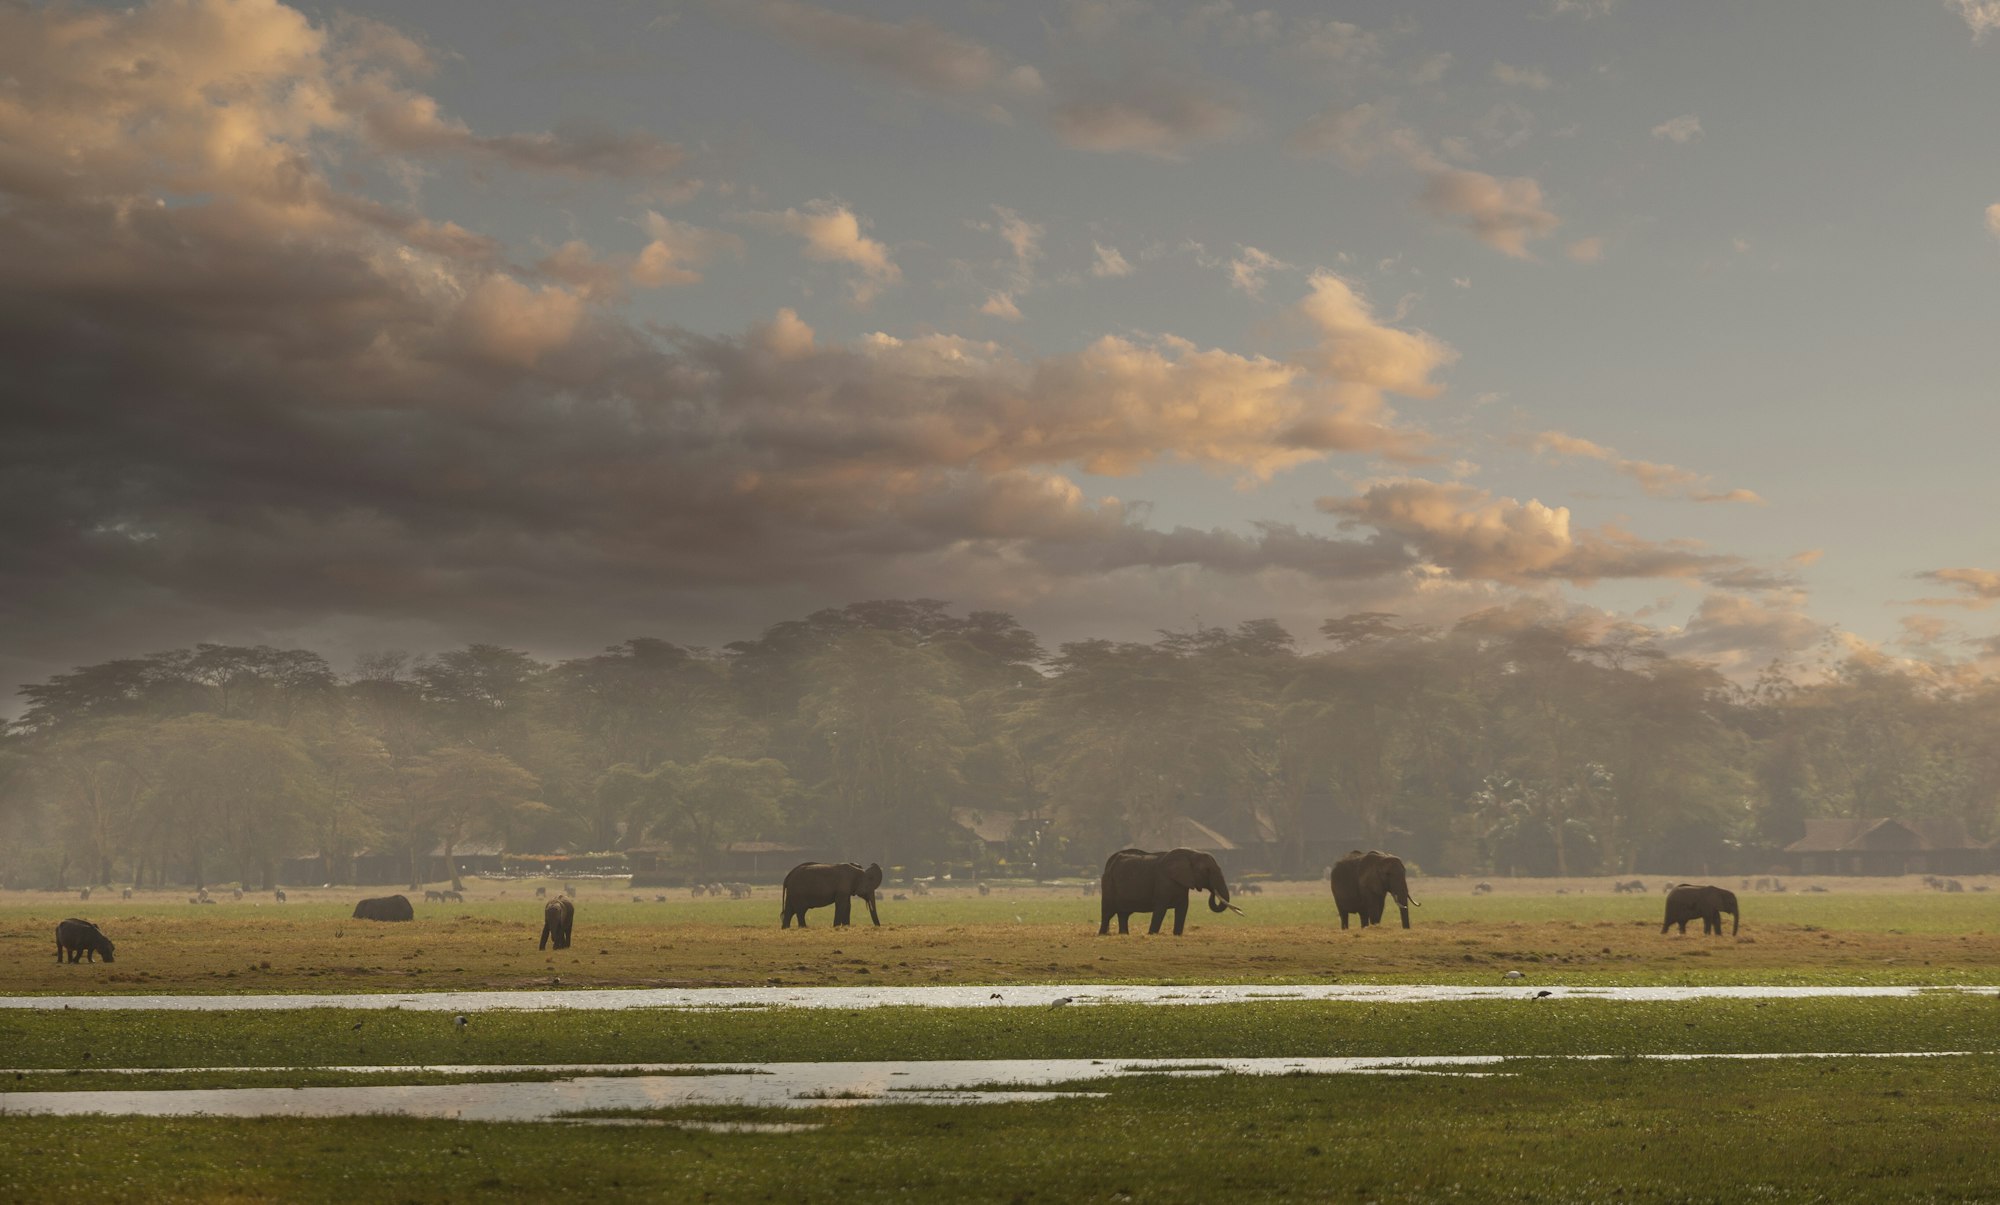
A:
<point x="1735" y="921"/>
<point x="1404" y="908"/>
<point x="1218" y="904"/>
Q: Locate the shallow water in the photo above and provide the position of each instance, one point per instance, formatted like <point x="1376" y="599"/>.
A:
<point x="1034" y="996"/>
<point x="772" y="1085"/>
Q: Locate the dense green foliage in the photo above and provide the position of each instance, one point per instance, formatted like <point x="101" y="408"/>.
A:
<point x="1500" y="746"/>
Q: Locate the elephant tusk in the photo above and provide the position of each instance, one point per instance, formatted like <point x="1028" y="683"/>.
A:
<point x="1236" y="910"/>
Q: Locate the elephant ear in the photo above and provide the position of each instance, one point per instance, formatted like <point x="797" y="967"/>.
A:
<point x="1180" y="868"/>
<point x="872" y="878"/>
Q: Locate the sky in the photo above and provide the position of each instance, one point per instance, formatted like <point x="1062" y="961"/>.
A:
<point x="384" y="326"/>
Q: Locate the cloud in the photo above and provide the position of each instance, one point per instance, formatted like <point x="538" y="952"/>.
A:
<point x="1001" y="305"/>
<point x="1683" y="129"/>
<point x="1150" y="109"/>
<point x="1530" y="78"/>
<point x="832" y="233"/>
<point x="1470" y="533"/>
<point x="1979" y="588"/>
<point x="916" y="54"/>
<point x="1107" y="262"/>
<point x="1505" y="214"/>
<point x="1657" y="480"/>
<point x="1993" y="219"/>
<point x="1586" y="250"/>
<point x="1249" y="269"/>
<point x="1740" y="633"/>
<point x="1981" y="16"/>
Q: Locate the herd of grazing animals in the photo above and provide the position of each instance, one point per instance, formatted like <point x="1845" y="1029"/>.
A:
<point x="1134" y="881"/>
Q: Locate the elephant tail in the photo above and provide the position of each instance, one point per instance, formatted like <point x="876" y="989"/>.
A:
<point x="784" y="901"/>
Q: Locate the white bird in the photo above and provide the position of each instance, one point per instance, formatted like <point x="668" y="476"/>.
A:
<point x="1512" y="975"/>
<point x="1059" y="1001"/>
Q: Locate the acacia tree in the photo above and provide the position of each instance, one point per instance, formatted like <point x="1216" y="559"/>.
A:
<point x="703" y="807"/>
<point x="887" y="713"/>
<point x="456" y="793"/>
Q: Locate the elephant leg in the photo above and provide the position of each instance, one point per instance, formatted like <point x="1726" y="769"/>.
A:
<point x="1104" y="925"/>
<point x="1159" y="918"/>
<point x="1124" y="922"/>
<point x="843" y="910"/>
<point x="1343" y="918"/>
<point x="1666" y="924"/>
<point x="1180" y="920"/>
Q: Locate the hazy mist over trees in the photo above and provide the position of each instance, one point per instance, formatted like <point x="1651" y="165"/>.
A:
<point x="1497" y="746"/>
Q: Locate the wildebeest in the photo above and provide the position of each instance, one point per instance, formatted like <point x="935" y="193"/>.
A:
<point x="1629" y="886"/>
<point x="126" y="894"/>
<point x="557" y="917"/>
<point x="433" y="897"/>
<point x="985" y="890"/>
<point x="84" y="894"/>
<point x="541" y="893"/>
<point x="385" y="907"/>
<point x="279" y="895"/>
<point x="1482" y="888"/>
<point x="80" y="939"/>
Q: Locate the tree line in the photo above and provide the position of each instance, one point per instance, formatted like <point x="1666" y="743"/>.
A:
<point x="1492" y="746"/>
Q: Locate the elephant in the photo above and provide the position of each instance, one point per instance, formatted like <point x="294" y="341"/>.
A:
<point x="557" y="917"/>
<point x="1688" y="901"/>
<point x="1136" y="880"/>
<point x="817" y="884"/>
<point x="80" y="939"/>
<point x="385" y="907"/>
<point x="1361" y="882"/>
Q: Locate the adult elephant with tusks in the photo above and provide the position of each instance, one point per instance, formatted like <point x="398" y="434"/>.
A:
<point x="817" y="884"/>
<point x="1138" y="881"/>
<point x="385" y="907"/>
<point x="1688" y="901"/>
<point x="1362" y="884"/>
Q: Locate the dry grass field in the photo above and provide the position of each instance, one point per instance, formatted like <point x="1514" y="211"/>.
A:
<point x="1572" y="931"/>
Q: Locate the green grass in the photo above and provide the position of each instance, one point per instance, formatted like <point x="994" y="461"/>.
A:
<point x="1268" y="1028"/>
<point x="1787" y="1131"/>
<point x="1290" y="934"/>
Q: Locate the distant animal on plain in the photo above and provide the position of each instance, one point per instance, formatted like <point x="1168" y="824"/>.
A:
<point x="900" y="898"/>
<point x="557" y="918"/>
<point x="1482" y="888"/>
<point x="1159" y="882"/>
<point x="193" y="900"/>
<point x="920" y="887"/>
<point x="637" y="900"/>
<point x="79" y="939"/>
<point x="985" y="890"/>
<point x="812" y="885"/>
<point x="1981" y="887"/>
<point x="385" y="908"/>
<point x="1953" y="885"/>
<point x="239" y="893"/>
<point x="1089" y="887"/>
<point x="1933" y="882"/>
<point x="433" y="897"/>
<point x="1817" y="888"/>
<point x="1629" y="886"/>
<point x="279" y="895"/>
<point x="1688" y="901"/>
<point x="1363" y="882"/>
<point x="206" y="900"/>
<point x="84" y="894"/>
<point x="659" y="899"/>
<point x="126" y="894"/>
<point x="739" y="891"/>
<point x="1562" y="891"/>
<point x="541" y="893"/>
<point x="569" y="889"/>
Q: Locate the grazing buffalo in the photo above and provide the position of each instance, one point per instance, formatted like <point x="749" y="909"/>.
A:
<point x="385" y="907"/>
<point x="557" y="917"/>
<point x="80" y="939"/>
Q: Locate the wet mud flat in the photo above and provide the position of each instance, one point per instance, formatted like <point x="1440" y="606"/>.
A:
<point x="1027" y="996"/>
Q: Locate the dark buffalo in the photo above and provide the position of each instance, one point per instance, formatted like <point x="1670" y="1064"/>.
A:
<point x="81" y="940"/>
<point x="385" y="907"/>
<point x="557" y="917"/>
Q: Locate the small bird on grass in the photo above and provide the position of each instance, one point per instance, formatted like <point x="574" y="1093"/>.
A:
<point x="1543" y="994"/>
<point x="459" y="1021"/>
<point x="1059" y="1001"/>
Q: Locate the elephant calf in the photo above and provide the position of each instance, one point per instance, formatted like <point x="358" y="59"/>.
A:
<point x="1688" y="901"/>
<point x="557" y="917"/>
<point x="385" y="907"/>
<point x="79" y="939"/>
